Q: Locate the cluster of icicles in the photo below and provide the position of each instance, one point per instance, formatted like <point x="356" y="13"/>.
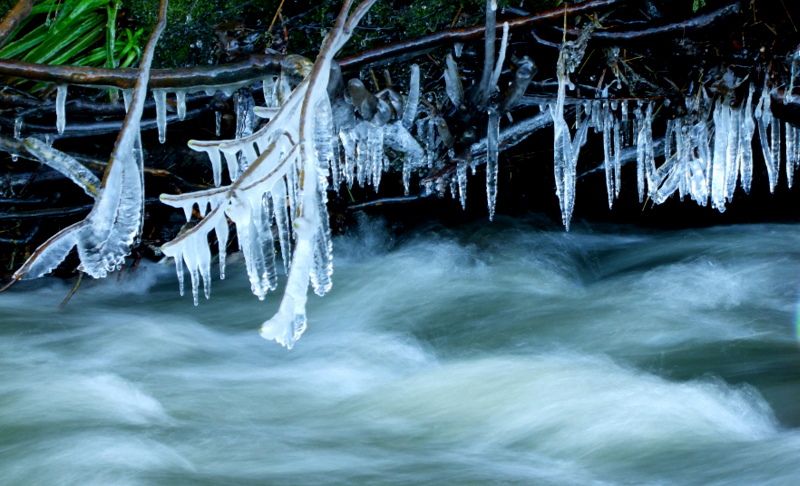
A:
<point x="279" y="175"/>
<point x="263" y="197"/>
<point x="705" y="154"/>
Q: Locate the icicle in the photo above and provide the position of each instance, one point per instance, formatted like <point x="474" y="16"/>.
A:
<point x="179" y="271"/>
<point x="645" y="152"/>
<point x="412" y="100"/>
<point x="608" y="154"/>
<point x="612" y="150"/>
<point x="323" y="140"/>
<point x="400" y="140"/>
<point x="268" y="89"/>
<point x="461" y="172"/>
<point x="126" y="98"/>
<point x="430" y="142"/>
<point x="204" y="267"/>
<point x="641" y="147"/>
<point x="668" y="138"/>
<point x="667" y="178"/>
<point x="684" y="161"/>
<point x="375" y="155"/>
<point x="222" y="231"/>
<point x="732" y="155"/>
<point x="61" y="100"/>
<point x="617" y="153"/>
<point x="180" y="100"/>
<point x="160" y="97"/>
<point x="625" y="130"/>
<point x="775" y="145"/>
<point x="452" y="81"/>
<point x="566" y="150"/>
<point x="795" y="72"/>
<point x="245" y="124"/>
<point x="247" y="232"/>
<point x="767" y="126"/>
<point x="791" y="162"/>
<point x="267" y="239"/>
<point x="216" y="166"/>
<point x="197" y="257"/>
<point x="17" y="135"/>
<point x="323" y="252"/>
<point x="349" y="142"/>
<point x="597" y="119"/>
<point x="746" y="131"/>
<point x="701" y="159"/>
<point x="718" y="188"/>
<point x="280" y="211"/>
<point x="188" y="208"/>
<point x="232" y="162"/>
<point x="492" y="154"/>
<point x="217" y="123"/>
<point x="650" y="156"/>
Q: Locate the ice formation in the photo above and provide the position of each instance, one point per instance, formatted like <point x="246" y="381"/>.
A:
<point x="74" y="170"/>
<point x="275" y="186"/>
<point x="284" y="184"/>
<point x="566" y="146"/>
<point x="105" y="236"/>
<point x="61" y="100"/>
<point x="492" y="154"/>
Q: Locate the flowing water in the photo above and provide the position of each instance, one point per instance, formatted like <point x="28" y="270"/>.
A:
<point x="503" y="353"/>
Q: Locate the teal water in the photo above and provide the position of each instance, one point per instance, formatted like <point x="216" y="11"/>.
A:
<point x="502" y="354"/>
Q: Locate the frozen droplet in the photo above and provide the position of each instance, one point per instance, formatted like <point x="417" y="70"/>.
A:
<point x="160" y="97"/>
<point x="180" y="100"/>
<point x="61" y="100"/>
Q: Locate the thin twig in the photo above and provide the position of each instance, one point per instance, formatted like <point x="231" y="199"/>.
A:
<point x="71" y="292"/>
<point x="256" y="67"/>
<point x="13" y="18"/>
<point x="275" y="17"/>
<point x="259" y="66"/>
<point x="689" y="25"/>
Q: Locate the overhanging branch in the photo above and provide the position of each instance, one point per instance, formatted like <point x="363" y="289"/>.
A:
<point x="259" y="66"/>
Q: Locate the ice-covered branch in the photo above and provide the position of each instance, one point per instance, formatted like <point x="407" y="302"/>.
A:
<point x="283" y="179"/>
<point x="104" y="238"/>
<point x="74" y="170"/>
<point x="689" y="25"/>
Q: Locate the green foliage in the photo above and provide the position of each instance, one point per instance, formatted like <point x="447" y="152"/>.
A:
<point x="191" y="36"/>
<point x="698" y="4"/>
<point x="74" y="32"/>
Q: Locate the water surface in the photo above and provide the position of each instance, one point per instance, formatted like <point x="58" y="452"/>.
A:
<point x="502" y="353"/>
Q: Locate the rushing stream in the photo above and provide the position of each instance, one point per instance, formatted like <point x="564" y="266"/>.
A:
<point x="501" y="353"/>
